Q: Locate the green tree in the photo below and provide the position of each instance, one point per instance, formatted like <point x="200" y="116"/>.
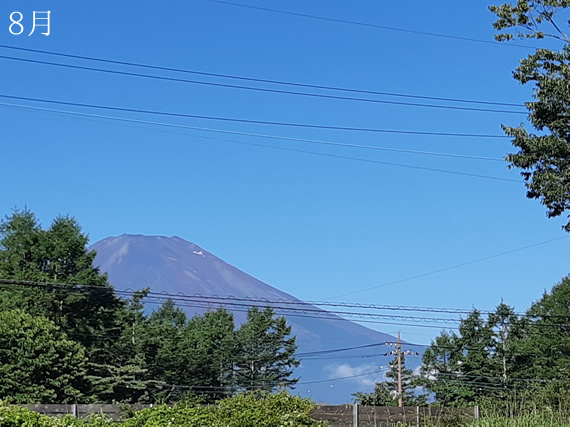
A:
<point x="386" y="392"/>
<point x="64" y="286"/>
<point x="382" y="395"/>
<point x="50" y="273"/>
<point x="477" y="362"/>
<point x="129" y="381"/>
<point x="543" y="350"/>
<point x="508" y="329"/>
<point x="38" y="363"/>
<point x="159" y="339"/>
<point x="264" y="356"/>
<point x="210" y="345"/>
<point x="477" y="341"/>
<point x="544" y="157"/>
<point x="187" y="354"/>
<point x="441" y="365"/>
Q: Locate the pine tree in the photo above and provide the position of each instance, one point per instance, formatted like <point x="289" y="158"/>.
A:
<point x="264" y="357"/>
<point x="77" y="297"/>
<point x="386" y="392"/>
<point x="50" y="273"/>
<point x="38" y="363"/>
<point x="441" y="366"/>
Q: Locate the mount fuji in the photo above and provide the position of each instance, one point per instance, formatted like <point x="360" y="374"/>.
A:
<point x="174" y="266"/>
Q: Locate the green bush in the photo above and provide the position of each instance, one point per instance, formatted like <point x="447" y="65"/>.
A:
<point x="244" y="410"/>
<point x="251" y="409"/>
<point x="13" y="416"/>
<point x="165" y="415"/>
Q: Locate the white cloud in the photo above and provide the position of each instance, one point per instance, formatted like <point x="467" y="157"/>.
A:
<point x="364" y="375"/>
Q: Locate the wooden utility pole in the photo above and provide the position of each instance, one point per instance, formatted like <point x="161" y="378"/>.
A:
<point x="504" y="339"/>
<point x="399" y="350"/>
<point x="399" y="353"/>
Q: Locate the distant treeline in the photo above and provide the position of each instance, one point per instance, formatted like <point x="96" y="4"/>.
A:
<point x="506" y="362"/>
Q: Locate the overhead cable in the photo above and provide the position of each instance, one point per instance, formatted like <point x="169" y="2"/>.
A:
<point x="192" y="116"/>
<point x="449" y="268"/>
<point x="389" y="131"/>
<point x="259" y="89"/>
<point x="321" y="154"/>
<point x="260" y="80"/>
<point x="364" y="24"/>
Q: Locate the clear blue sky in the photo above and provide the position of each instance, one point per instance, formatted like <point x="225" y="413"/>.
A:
<point x="311" y="225"/>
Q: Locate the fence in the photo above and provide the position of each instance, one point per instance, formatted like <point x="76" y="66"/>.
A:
<point x="336" y="415"/>
<point x="80" y="411"/>
<point x="384" y="416"/>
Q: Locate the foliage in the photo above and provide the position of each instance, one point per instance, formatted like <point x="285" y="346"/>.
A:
<point x="382" y="395"/>
<point x="211" y="339"/>
<point x="441" y="362"/>
<point x="506" y="357"/>
<point x="84" y="303"/>
<point x="243" y="410"/>
<point x="77" y="297"/>
<point x="129" y="382"/>
<point x="268" y="410"/>
<point x="386" y="393"/>
<point x="186" y="354"/>
<point x="544" y="349"/>
<point x="107" y="349"/>
<point x="545" y="157"/>
<point x="264" y="352"/>
<point x="538" y="420"/>
<point x="38" y="363"/>
<point x="14" y="416"/>
<point x="476" y="362"/>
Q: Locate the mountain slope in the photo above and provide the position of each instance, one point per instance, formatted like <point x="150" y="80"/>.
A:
<point x="175" y="266"/>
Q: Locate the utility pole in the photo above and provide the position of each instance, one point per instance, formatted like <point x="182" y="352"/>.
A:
<point x="504" y="339"/>
<point x="399" y="350"/>
<point x="398" y="353"/>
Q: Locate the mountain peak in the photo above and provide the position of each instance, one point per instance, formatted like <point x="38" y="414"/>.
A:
<point x="173" y="265"/>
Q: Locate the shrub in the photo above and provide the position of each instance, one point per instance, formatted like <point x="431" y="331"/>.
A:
<point x="244" y="410"/>
<point x="15" y="416"/>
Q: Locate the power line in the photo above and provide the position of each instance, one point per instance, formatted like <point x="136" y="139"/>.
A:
<point x="202" y="301"/>
<point x="338" y="350"/>
<point x="389" y="131"/>
<point x="302" y="313"/>
<point x="259" y="89"/>
<point x="325" y="314"/>
<point x="193" y="116"/>
<point x="334" y="156"/>
<point x="448" y="374"/>
<point x="363" y="24"/>
<point x="260" y="80"/>
<point x="342" y="378"/>
<point x="191" y="301"/>
<point x="450" y="267"/>
<point x="251" y="301"/>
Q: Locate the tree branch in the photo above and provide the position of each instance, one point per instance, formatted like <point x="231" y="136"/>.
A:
<point x="565" y="36"/>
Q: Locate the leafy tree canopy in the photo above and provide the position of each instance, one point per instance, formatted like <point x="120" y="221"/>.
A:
<point x="543" y="349"/>
<point x="386" y="392"/>
<point x="38" y="363"/>
<point x="265" y="352"/>
<point x="543" y="157"/>
<point x="48" y="277"/>
<point x="84" y="304"/>
<point x="505" y="354"/>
